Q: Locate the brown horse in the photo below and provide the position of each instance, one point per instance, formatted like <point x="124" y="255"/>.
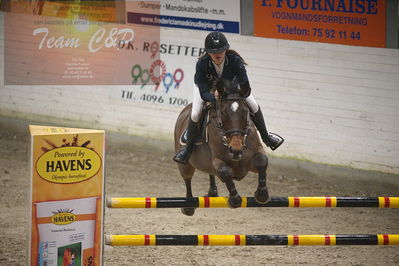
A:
<point x="233" y="149"/>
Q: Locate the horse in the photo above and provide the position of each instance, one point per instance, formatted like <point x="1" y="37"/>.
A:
<point x="233" y="148"/>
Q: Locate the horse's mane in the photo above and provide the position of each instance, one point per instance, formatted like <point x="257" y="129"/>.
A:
<point x="226" y="88"/>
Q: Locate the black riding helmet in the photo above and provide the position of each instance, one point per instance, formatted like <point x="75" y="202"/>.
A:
<point x="216" y="42"/>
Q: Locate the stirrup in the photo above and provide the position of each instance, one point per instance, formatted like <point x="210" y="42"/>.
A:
<point x="280" y="140"/>
<point x="182" y="156"/>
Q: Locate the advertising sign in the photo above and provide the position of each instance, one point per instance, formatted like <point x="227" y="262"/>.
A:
<point x="66" y="196"/>
<point x="175" y="82"/>
<point x="208" y="15"/>
<point x="53" y="50"/>
<point x="352" y="22"/>
<point x="102" y="10"/>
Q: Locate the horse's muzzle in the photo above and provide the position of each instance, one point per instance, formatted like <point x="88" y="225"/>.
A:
<point x="235" y="155"/>
<point x="236" y="146"/>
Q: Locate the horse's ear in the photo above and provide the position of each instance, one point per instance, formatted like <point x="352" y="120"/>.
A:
<point x="233" y="86"/>
<point x="226" y="87"/>
<point x="220" y="86"/>
<point x="230" y="87"/>
<point x="245" y="89"/>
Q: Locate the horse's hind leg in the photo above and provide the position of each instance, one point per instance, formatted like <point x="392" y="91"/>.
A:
<point x="187" y="172"/>
<point x="261" y="194"/>
<point x="213" y="190"/>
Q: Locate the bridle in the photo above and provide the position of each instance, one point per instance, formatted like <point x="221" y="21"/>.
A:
<point x="226" y="134"/>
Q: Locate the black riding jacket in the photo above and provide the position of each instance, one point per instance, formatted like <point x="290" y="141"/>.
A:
<point x="206" y="76"/>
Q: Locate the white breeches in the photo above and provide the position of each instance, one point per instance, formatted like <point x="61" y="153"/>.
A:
<point x="196" y="110"/>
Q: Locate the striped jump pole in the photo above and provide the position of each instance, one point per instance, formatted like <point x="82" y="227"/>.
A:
<point x="250" y="240"/>
<point x="247" y="202"/>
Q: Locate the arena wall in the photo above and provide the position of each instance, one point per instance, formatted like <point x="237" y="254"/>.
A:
<point x="334" y="104"/>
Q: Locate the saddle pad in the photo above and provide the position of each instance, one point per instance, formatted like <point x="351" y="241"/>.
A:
<point x="200" y="139"/>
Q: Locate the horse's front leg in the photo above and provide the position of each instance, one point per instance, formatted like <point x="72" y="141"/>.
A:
<point x="261" y="194"/>
<point x="213" y="190"/>
<point x="189" y="194"/>
<point x="187" y="172"/>
<point x="226" y="175"/>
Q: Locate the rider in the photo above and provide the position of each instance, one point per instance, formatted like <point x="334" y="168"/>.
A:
<point x="220" y="62"/>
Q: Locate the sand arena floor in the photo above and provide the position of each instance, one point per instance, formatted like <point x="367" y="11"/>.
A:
<point x="141" y="169"/>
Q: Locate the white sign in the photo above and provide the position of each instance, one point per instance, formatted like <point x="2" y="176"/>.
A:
<point x="168" y="80"/>
<point x="208" y="15"/>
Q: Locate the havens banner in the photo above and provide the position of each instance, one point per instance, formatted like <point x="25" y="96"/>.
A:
<point x="66" y="196"/>
<point x="352" y="22"/>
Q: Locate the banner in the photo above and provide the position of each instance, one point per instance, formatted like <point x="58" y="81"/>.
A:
<point x="172" y="83"/>
<point x="53" y="50"/>
<point x="175" y="83"/>
<point x="66" y="196"/>
<point x="100" y="10"/>
<point x="208" y="15"/>
<point x="352" y="22"/>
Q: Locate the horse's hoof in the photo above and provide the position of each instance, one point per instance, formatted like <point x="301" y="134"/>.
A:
<point x="188" y="211"/>
<point x="235" y="202"/>
<point x="262" y="196"/>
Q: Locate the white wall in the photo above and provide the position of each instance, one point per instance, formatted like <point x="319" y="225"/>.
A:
<point x="334" y="104"/>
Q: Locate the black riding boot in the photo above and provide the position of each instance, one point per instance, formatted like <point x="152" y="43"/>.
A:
<point x="268" y="139"/>
<point x="184" y="154"/>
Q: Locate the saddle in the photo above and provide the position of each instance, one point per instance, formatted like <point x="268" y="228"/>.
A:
<point x="203" y="123"/>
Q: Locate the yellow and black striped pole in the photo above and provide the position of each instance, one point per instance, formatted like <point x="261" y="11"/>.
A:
<point x="250" y="240"/>
<point x="247" y="202"/>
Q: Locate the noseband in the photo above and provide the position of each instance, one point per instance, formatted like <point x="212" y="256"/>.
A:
<point x="225" y="134"/>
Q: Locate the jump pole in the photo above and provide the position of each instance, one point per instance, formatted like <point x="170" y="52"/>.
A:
<point x="248" y="202"/>
<point x="250" y="240"/>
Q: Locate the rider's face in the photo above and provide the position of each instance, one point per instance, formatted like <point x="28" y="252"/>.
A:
<point x="217" y="57"/>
